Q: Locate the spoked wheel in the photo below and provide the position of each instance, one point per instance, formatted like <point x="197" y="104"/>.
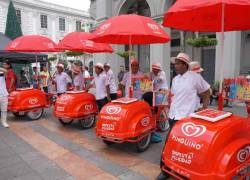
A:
<point x="19" y="114"/>
<point x="163" y="124"/>
<point x="143" y="144"/>
<point x="65" y="122"/>
<point x="87" y="122"/>
<point x="108" y="142"/>
<point x="35" y="114"/>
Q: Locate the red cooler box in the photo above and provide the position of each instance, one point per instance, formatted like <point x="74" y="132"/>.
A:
<point x="210" y="145"/>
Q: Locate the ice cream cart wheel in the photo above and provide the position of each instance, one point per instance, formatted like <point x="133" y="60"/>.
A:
<point x="35" y="114"/>
<point x="108" y="142"/>
<point x="19" y="114"/>
<point x="143" y="144"/>
<point x="87" y="122"/>
<point x="65" y="122"/>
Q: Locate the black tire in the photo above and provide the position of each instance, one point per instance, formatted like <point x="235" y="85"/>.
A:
<point x="87" y="123"/>
<point x="143" y="144"/>
<point x="108" y="142"/>
<point x="65" y="122"/>
<point x="19" y="114"/>
<point x="163" y="125"/>
<point x="35" y="114"/>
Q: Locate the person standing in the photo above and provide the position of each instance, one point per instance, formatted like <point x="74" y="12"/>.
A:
<point x="44" y="78"/>
<point x="23" y="81"/>
<point x="78" y="81"/>
<point x="185" y="88"/>
<point x="11" y="79"/>
<point x="3" y="98"/>
<point x="101" y="84"/>
<point x="111" y="79"/>
<point x="128" y="76"/>
<point x="61" y="79"/>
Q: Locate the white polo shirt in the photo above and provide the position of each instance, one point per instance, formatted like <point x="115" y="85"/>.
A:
<point x="185" y="89"/>
<point x="160" y="80"/>
<point x="61" y="82"/>
<point x="111" y="79"/>
<point x="79" y="81"/>
<point x="3" y="89"/>
<point x="126" y="81"/>
<point x="100" y="82"/>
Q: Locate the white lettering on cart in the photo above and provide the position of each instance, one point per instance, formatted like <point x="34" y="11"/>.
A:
<point x="193" y="130"/>
<point x="110" y="118"/>
<point x="113" y="109"/>
<point x="243" y="154"/>
<point x="180" y="171"/>
<point x="187" y="142"/>
<point x="181" y="157"/>
<point x="108" y="127"/>
<point x="33" y="101"/>
<point x="88" y="107"/>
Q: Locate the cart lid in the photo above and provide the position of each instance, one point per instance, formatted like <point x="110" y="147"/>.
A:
<point x="125" y="100"/>
<point x="23" y="89"/>
<point x="74" y="92"/>
<point x="211" y="115"/>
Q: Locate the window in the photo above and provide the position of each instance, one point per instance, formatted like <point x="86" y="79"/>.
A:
<point x="62" y="24"/>
<point x="175" y="42"/>
<point x="19" y="17"/>
<point x="78" y="26"/>
<point x="44" y="21"/>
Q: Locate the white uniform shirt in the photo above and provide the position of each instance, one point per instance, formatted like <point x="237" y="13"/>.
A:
<point x="111" y="79"/>
<point x="61" y="82"/>
<point x="126" y="81"/>
<point x="100" y="82"/>
<point x="3" y="89"/>
<point x="79" y="81"/>
<point x="160" y="81"/>
<point x="86" y="74"/>
<point x="185" y="89"/>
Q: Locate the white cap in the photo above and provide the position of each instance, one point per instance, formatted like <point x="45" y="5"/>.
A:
<point x="100" y="65"/>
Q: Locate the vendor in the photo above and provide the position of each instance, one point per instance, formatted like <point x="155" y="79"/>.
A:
<point x="185" y="88"/>
<point x="3" y="98"/>
<point x="111" y="79"/>
<point x="78" y="77"/>
<point x="158" y="76"/>
<point x="44" y="78"/>
<point x="101" y="84"/>
<point x="11" y="79"/>
<point x="61" y="79"/>
<point x="128" y="76"/>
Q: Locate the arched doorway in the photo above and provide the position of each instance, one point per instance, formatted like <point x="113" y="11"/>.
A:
<point x="140" y="7"/>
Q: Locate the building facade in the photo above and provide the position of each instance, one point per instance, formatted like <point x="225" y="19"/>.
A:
<point x="48" y="19"/>
<point x="237" y="44"/>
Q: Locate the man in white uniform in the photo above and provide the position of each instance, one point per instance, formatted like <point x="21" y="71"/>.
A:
<point x="61" y="79"/>
<point x="78" y="81"/>
<point x="134" y="73"/>
<point x="111" y="79"/>
<point x="185" y="88"/>
<point x="101" y="84"/>
<point x="3" y="98"/>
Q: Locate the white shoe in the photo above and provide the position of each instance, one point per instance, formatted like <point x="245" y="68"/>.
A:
<point x="5" y="124"/>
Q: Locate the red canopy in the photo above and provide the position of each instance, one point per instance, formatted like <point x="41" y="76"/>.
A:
<point x="206" y="15"/>
<point x="79" y="41"/>
<point x="130" y="29"/>
<point x="31" y="43"/>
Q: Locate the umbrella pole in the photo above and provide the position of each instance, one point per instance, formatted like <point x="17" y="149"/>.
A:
<point x="129" y="53"/>
<point x="221" y="99"/>
<point x="37" y="78"/>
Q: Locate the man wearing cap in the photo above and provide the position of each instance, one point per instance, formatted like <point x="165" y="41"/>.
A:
<point x="133" y="74"/>
<point x="101" y="84"/>
<point x="111" y="79"/>
<point x="158" y="76"/>
<point x="185" y="88"/>
<point x="78" y="77"/>
<point x="61" y="79"/>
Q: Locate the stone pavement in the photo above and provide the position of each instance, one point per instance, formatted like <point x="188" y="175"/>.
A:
<point x="44" y="149"/>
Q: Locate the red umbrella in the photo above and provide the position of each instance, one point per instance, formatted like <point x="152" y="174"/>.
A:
<point x="79" y="41"/>
<point x="130" y="29"/>
<point x="31" y="43"/>
<point x="210" y="16"/>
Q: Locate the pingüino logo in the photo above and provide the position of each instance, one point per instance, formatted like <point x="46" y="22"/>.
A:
<point x="113" y="109"/>
<point x="187" y="142"/>
<point x="243" y="154"/>
<point x="192" y="130"/>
